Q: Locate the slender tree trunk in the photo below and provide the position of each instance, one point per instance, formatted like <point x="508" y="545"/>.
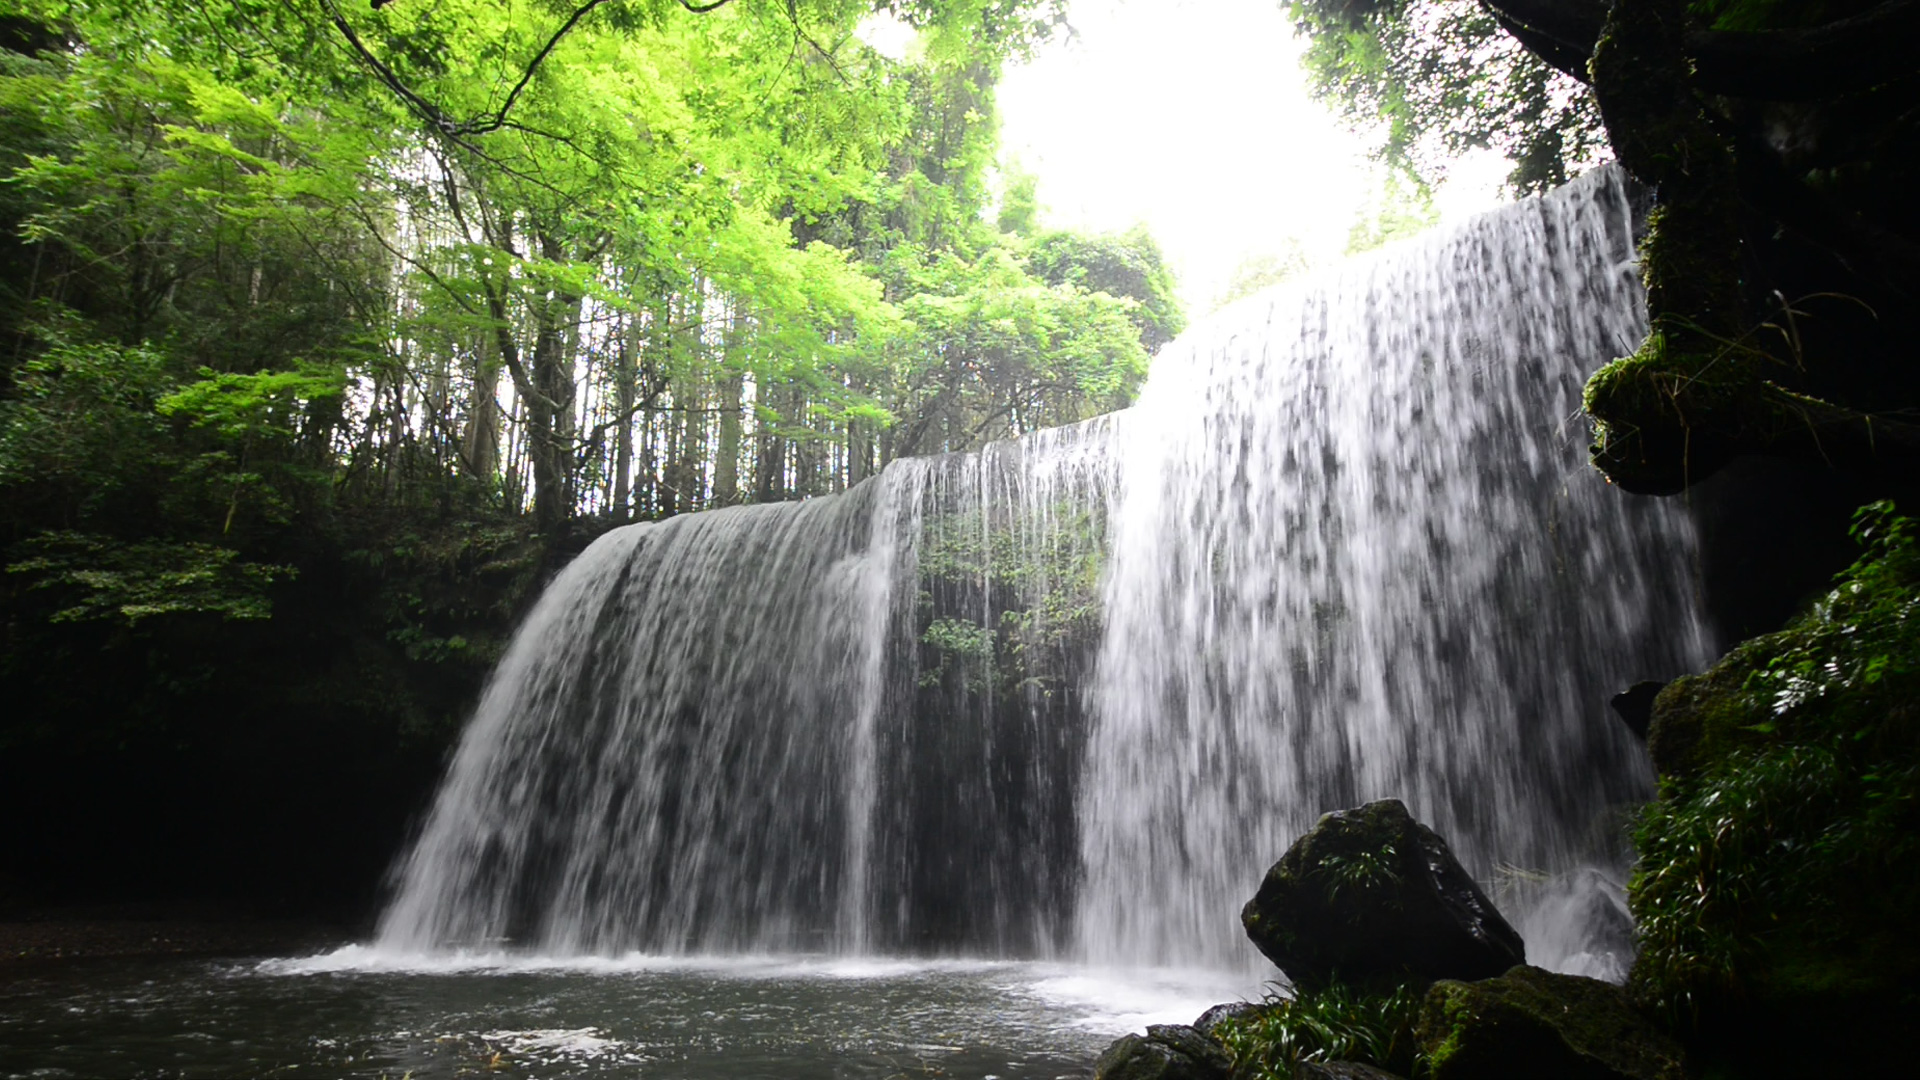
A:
<point x="624" y="393"/>
<point x="550" y="412"/>
<point x="482" y="449"/>
<point x="726" y="464"/>
<point x="769" y="481"/>
<point x="806" y="480"/>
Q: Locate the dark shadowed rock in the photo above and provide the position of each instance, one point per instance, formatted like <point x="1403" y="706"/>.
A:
<point x="1371" y="896"/>
<point x="1232" y="1010"/>
<point x="1340" y="1070"/>
<point x="1165" y="1052"/>
<point x="1532" y="1023"/>
<point x="1634" y="705"/>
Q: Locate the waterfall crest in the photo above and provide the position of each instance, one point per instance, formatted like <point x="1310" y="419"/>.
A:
<point x="1071" y="695"/>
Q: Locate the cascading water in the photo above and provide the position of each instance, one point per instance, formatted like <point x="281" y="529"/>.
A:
<point x="1351" y="550"/>
<point x="1360" y="555"/>
<point x="786" y="727"/>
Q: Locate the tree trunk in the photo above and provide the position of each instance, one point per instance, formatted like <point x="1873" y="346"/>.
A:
<point x="481" y="451"/>
<point x="726" y="464"/>
<point x="624" y="393"/>
<point x="550" y="409"/>
<point x="769" y="481"/>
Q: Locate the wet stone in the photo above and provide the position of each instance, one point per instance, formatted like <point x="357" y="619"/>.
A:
<point x="1165" y="1052"/>
<point x="1371" y="897"/>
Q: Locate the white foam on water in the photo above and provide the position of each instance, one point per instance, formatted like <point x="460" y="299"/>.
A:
<point x="1105" y="999"/>
<point x="377" y="959"/>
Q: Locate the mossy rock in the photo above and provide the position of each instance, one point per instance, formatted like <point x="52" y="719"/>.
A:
<point x="1370" y="897"/>
<point x="1165" y="1052"/>
<point x="1663" y="417"/>
<point x="1779" y="875"/>
<point x="1698" y="719"/>
<point x="1531" y="1023"/>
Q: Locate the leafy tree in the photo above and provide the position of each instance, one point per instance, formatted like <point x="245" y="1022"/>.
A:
<point x="1256" y="272"/>
<point x="1125" y="265"/>
<point x="1435" y="79"/>
<point x="1402" y="207"/>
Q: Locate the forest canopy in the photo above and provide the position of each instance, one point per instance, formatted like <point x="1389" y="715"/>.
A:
<point x="619" y="259"/>
<point x="328" y="329"/>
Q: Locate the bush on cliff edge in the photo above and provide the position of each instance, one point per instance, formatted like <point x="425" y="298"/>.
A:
<point x="1779" y="876"/>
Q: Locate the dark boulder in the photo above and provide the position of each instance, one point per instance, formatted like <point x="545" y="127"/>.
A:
<point x="1634" y="706"/>
<point x="1340" y="1070"/>
<point x="1531" y="1023"/>
<point x="1370" y="896"/>
<point x="1232" y="1010"/>
<point x="1165" y="1052"/>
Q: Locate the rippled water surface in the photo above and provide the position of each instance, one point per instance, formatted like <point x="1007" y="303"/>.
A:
<point x="357" y="1014"/>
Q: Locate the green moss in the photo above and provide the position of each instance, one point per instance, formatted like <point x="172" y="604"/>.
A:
<point x="1534" y="1022"/>
<point x="1659" y="415"/>
<point x="1779" y="870"/>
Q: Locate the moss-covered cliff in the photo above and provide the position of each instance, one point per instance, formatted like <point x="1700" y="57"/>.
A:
<point x="1779" y="879"/>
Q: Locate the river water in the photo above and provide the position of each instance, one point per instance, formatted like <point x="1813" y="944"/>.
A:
<point x="354" y="1013"/>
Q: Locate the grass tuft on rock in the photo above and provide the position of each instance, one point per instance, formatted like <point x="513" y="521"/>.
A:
<point x="1333" y="1023"/>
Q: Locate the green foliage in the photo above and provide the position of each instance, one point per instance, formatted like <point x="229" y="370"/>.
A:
<point x="99" y="578"/>
<point x="1334" y="1023"/>
<point x="1363" y="869"/>
<point x="81" y="415"/>
<point x="1126" y="265"/>
<point x="1435" y="79"/>
<point x="1403" y="207"/>
<point x="992" y="351"/>
<point x="963" y="639"/>
<point x="1794" y="783"/>
<point x="1009" y="604"/>
<point x="398" y="295"/>
<point x="263" y="405"/>
<point x="1257" y="272"/>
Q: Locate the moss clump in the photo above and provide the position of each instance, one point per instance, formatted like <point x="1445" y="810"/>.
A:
<point x="1675" y="411"/>
<point x="1530" y="1022"/>
<point x="1332" y="1023"/>
<point x="1779" y="876"/>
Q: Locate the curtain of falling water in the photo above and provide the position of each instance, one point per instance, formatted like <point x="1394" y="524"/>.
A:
<point x="1359" y="554"/>
<point x="774" y="728"/>
<point x="652" y="767"/>
<point x="1351" y="550"/>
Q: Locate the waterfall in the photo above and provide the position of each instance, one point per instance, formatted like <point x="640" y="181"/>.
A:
<point x="1070" y="696"/>
<point x="1360" y="555"/>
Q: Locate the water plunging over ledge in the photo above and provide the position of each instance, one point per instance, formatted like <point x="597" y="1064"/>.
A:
<point x="1068" y="697"/>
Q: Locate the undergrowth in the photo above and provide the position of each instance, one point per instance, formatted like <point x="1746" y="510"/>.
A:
<point x="1781" y="864"/>
<point x="1335" y="1023"/>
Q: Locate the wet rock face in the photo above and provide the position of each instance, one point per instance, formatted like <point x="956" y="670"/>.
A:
<point x="1533" y="1023"/>
<point x="1219" y="1014"/>
<point x="1339" y="1070"/>
<point x="1634" y="706"/>
<point x="1370" y="896"/>
<point x="1165" y="1052"/>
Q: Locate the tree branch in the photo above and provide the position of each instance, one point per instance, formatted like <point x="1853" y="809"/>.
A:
<point x="489" y="121"/>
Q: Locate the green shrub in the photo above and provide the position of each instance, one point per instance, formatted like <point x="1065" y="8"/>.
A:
<point x="1335" y="1023"/>
<point x="1780" y="867"/>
